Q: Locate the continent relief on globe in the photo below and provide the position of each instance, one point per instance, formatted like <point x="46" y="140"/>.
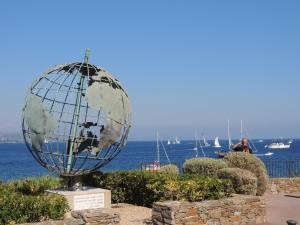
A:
<point x="40" y="122"/>
<point x="114" y="101"/>
<point x="103" y="93"/>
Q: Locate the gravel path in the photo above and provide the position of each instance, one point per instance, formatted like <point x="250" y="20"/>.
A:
<point x="133" y="215"/>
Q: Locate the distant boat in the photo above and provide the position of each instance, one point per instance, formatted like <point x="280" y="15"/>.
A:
<point x="221" y="154"/>
<point x="217" y="143"/>
<point x="290" y="141"/>
<point x="260" y="141"/>
<point x="266" y="154"/>
<point x="176" y="141"/>
<point x="278" y="145"/>
<point x="206" y="144"/>
<point x="269" y="153"/>
<point x="154" y="166"/>
<point x="196" y="145"/>
<point x="169" y="142"/>
<point x="241" y="131"/>
<point x="230" y="143"/>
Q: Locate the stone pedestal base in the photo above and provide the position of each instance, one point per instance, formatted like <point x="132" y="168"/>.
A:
<point x="90" y="198"/>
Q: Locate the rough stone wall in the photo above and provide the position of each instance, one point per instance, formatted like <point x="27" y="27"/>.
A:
<point x="87" y="217"/>
<point x="284" y="185"/>
<point x="100" y="216"/>
<point x="240" y="209"/>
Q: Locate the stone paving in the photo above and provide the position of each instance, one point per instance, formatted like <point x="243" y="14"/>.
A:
<point x="282" y="207"/>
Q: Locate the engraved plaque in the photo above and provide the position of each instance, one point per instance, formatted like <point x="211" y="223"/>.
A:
<point x="90" y="201"/>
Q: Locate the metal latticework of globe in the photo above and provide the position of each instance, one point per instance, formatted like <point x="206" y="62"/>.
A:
<point x="76" y="118"/>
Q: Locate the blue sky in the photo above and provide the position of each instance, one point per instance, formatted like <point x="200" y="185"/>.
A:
<point x="187" y="65"/>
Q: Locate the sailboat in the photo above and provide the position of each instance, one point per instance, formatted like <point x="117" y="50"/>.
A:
<point x="176" y="141"/>
<point x="221" y="154"/>
<point x="217" y="143"/>
<point x="230" y="143"/>
<point x="206" y="144"/>
<point x="196" y="145"/>
<point x="169" y="142"/>
<point x="241" y="130"/>
<point x="154" y="166"/>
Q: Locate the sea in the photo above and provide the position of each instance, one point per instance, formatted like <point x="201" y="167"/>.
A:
<point x="17" y="162"/>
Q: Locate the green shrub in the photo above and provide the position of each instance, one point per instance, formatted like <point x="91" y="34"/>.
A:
<point x="203" y="166"/>
<point x="171" y="169"/>
<point x="34" y="206"/>
<point x="142" y="188"/>
<point x="35" y="186"/>
<point x="130" y="186"/>
<point x="195" y="188"/>
<point x="243" y="181"/>
<point x="251" y="163"/>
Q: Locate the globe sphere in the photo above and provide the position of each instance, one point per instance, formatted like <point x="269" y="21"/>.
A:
<point x="76" y="118"/>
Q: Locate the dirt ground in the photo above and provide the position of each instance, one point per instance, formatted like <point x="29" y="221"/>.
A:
<point x="133" y="215"/>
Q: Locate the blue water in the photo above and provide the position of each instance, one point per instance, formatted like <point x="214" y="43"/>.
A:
<point x="17" y="162"/>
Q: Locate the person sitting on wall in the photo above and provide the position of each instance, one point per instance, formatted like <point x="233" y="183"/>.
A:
<point x="243" y="146"/>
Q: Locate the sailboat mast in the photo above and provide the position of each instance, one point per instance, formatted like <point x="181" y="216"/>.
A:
<point x="228" y="131"/>
<point x="157" y="147"/>
<point x="241" y="129"/>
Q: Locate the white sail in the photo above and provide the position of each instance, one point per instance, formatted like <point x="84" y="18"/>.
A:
<point x="206" y="144"/>
<point x="196" y="144"/>
<point x="176" y="141"/>
<point x="217" y="143"/>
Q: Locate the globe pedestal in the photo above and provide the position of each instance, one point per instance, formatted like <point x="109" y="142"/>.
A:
<point x="88" y="198"/>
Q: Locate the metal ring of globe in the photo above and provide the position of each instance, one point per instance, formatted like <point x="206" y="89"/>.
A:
<point x="76" y="118"/>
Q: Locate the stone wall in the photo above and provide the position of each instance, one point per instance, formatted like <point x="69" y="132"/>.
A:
<point x="87" y="217"/>
<point x="284" y="185"/>
<point x="240" y="209"/>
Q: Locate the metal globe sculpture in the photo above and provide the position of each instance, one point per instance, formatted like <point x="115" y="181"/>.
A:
<point x="76" y="118"/>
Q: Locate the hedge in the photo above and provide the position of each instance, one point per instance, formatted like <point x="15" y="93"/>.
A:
<point x="251" y="163"/>
<point x="24" y="201"/>
<point x="144" y="188"/>
<point x="243" y="181"/>
<point x="171" y="169"/>
<point x="203" y="166"/>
